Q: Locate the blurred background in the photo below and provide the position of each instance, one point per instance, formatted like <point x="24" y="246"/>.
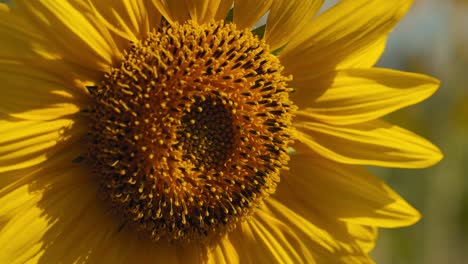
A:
<point x="431" y="39"/>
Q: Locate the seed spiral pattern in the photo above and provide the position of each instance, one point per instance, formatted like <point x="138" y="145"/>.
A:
<point x="190" y="132"/>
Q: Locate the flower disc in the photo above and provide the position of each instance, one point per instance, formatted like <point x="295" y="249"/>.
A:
<point x="190" y="132"/>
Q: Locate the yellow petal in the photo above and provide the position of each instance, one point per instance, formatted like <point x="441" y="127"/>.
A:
<point x="366" y="236"/>
<point x="348" y="35"/>
<point x="372" y="143"/>
<point x="203" y="11"/>
<point x="21" y="226"/>
<point x="366" y="56"/>
<point x="20" y="40"/>
<point x="357" y="240"/>
<point x="223" y="9"/>
<point x="286" y="18"/>
<point x="271" y="240"/>
<point x="78" y="36"/>
<point x="73" y="235"/>
<point x="26" y="50"/>
<point x="49" y="217"/>
<point x="248" y="12"/>
<point x="128" y="19"/>
<point x="315" y="82"/>
<point x="12" y="180"/>
<point x="309" y="240"/>
<point x="33" y="94"/>
<point x="359" y="95"/>
<point x="278" y="239"/>
<point x="224" y="252"/>
<point x="61" y="157"/>
<point x="27" y="143"/>
<point x="173" y="11"/>
<point x="345" y="192"/>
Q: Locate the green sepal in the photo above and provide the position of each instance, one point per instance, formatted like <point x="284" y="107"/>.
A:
<point x="260" y="31"/>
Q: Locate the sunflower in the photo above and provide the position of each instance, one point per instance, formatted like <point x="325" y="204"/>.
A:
<point x="138" y="131"/>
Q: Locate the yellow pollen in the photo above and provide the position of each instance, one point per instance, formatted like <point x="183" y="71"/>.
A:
<point x="190" y="132"/>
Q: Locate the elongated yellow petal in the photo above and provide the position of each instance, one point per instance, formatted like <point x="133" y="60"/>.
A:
<point x="59" y="158"/>
<point x="372" y="143"/>
<point x="163" y="8"/>
<point x="357" y="241"/>
<point x="18" y="131"/>
<point x="308" y="238"/>
<point x="347" y="35"/>
<point x="271" y="240"/>
<point x="33" y="94"/>
<point x="25" y="49"/>
<point x="73" y="231"/>
<point x="286" y="18"/>
<point x="60" y="205"/>
<point x="248" y="12"/>
<point x="25" y="143"/>
<point x="20" y="41"/>
<point x="344" y="192"/>
<point x="179" y="10"/>
<point x="142" y="16"/>
<point x="223" y="9"/>
<point x="360" y="95"/>
<point x="366" y="56"/>
<point x="128" y="19"/>
<point x="315" y="82"/>
<point x="279" y="240"/>
<point x="173" y="11"/>
<point x="78" y="36"/>
<point x="366" y="236"/>
<point x="224" y="252"/>
<point x="21" y="226"/>
<point x="203" y="11"/>
<point x="39" y="212"/>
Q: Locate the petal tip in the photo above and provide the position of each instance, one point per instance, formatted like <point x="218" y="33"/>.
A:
<point x="413" y="216"/>
<point x="406" y="215"/>
<point x="438" y="156"/>
<point x="434" y="81"/>
<point x="433" y="158"/>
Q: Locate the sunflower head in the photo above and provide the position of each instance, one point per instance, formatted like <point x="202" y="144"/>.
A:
<point x="180" y="114"/>
<point x="190" y="132"/>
